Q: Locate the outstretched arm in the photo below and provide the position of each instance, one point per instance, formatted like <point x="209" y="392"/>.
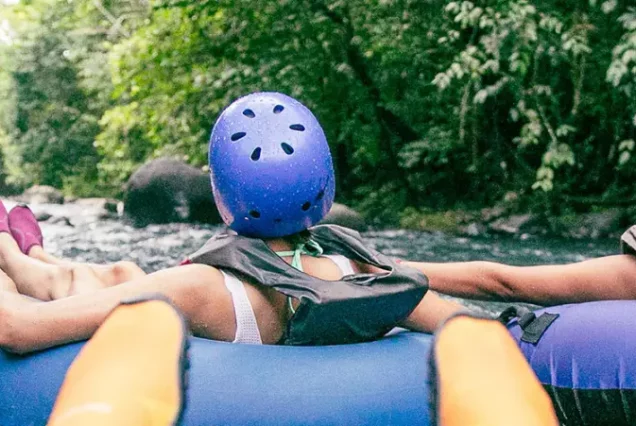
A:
<point x="430" y="313"/>
<point x="604" y="278"/>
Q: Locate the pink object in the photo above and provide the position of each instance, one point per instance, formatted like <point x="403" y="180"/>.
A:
<point x="4" y="218"/>
<point x="24" y="228"/>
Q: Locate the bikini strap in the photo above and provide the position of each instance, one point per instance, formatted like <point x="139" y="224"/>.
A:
<point x="310" y="248"/>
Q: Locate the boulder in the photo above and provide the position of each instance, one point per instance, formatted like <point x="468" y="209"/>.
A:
<point x="345" y="216"/>
<point x="41" y="194"/>
<point x="168" y="190"/>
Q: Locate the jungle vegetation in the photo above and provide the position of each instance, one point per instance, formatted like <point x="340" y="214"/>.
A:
<point x="427" y="104"/>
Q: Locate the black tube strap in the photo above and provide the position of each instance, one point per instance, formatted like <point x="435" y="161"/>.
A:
<point x="533" y="331"/>
<point x="533" y="327"/>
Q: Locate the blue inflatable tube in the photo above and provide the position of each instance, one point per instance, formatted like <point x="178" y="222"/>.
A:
<point x="377" y="383"/>
<point x="586" y="360"/>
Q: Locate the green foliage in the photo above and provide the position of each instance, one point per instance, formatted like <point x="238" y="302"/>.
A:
<point x="541" y="63"/>
<point x="426" y="104"/>
<point x="58" y="93"/>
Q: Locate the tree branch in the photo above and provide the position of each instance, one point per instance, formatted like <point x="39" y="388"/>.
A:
<point x="390" y="123"/>
<point x="116" y="23"/>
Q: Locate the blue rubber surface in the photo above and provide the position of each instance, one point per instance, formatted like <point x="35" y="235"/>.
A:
<point x="377" y="383"/>
<point x="590" y="346"/>
<point x="586" y="361"/>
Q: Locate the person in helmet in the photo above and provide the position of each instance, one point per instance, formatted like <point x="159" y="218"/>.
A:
<point x="273" y="278"/>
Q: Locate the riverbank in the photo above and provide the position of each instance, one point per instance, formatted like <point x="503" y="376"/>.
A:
<point x="605" y="223"/>
<point x="505" y="219"/>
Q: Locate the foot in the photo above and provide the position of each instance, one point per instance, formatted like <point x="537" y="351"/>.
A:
<point x="24" y="228"/>
<point x="4" y="218"/>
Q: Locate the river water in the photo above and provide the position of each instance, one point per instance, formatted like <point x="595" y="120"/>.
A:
<point x="89" y="239"/>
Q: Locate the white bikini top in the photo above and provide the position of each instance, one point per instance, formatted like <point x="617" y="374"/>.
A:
<point x="342" y="262"/>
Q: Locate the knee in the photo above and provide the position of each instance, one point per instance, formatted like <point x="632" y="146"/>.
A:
<point x="123" y="271"/>
<point x="71" y="280"/>
<point x="60" y="281"/>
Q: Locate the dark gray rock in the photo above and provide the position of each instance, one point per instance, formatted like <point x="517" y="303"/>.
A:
<point x="345" y="216"/>
<point x="42" y="216"/>
<point x="168" y="190"/>
<point x="60" y="220"/>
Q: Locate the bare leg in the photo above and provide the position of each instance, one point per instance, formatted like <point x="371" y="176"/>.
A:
<point x="28" y="235"/>
<point x="38" y="253"/>
<point x="41" y="280"/>
<point x="110" y="274"/>
<point x="197" y="290"/>
<point x="6" y="283"/>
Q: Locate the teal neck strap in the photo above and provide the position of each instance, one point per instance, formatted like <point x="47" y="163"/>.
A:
<point x="310" y="248"/>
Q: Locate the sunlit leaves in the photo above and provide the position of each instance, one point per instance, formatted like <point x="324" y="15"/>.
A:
<point x="622" y="70"/>
<point x="626" y="150"/>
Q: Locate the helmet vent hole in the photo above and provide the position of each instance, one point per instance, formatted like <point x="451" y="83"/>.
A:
<point x="278" y="109"/>
<point x="249" y="113"/>
<point x="287" y="148"/>
<point x="256" y="154"/>
<point x="278" y="220"/>
<point x="320" y="195"/>
<point x="255" y="214"/>
<point x="306" y="206"/>
<point x="297" y="127"/>
<point x="237" y="136"/>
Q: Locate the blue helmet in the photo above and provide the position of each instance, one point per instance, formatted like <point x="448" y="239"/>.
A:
<point x="270" y="166"/>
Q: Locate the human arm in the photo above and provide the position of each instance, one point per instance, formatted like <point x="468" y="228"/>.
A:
<point x="430" y="313"/>
<point x="197" y="290"/>
<point x="604" y="278"/>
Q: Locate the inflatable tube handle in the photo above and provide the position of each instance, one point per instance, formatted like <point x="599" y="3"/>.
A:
<point x="512" y="312"/>
<point x="533" y="330"/>
<point x="533" y="327"/>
